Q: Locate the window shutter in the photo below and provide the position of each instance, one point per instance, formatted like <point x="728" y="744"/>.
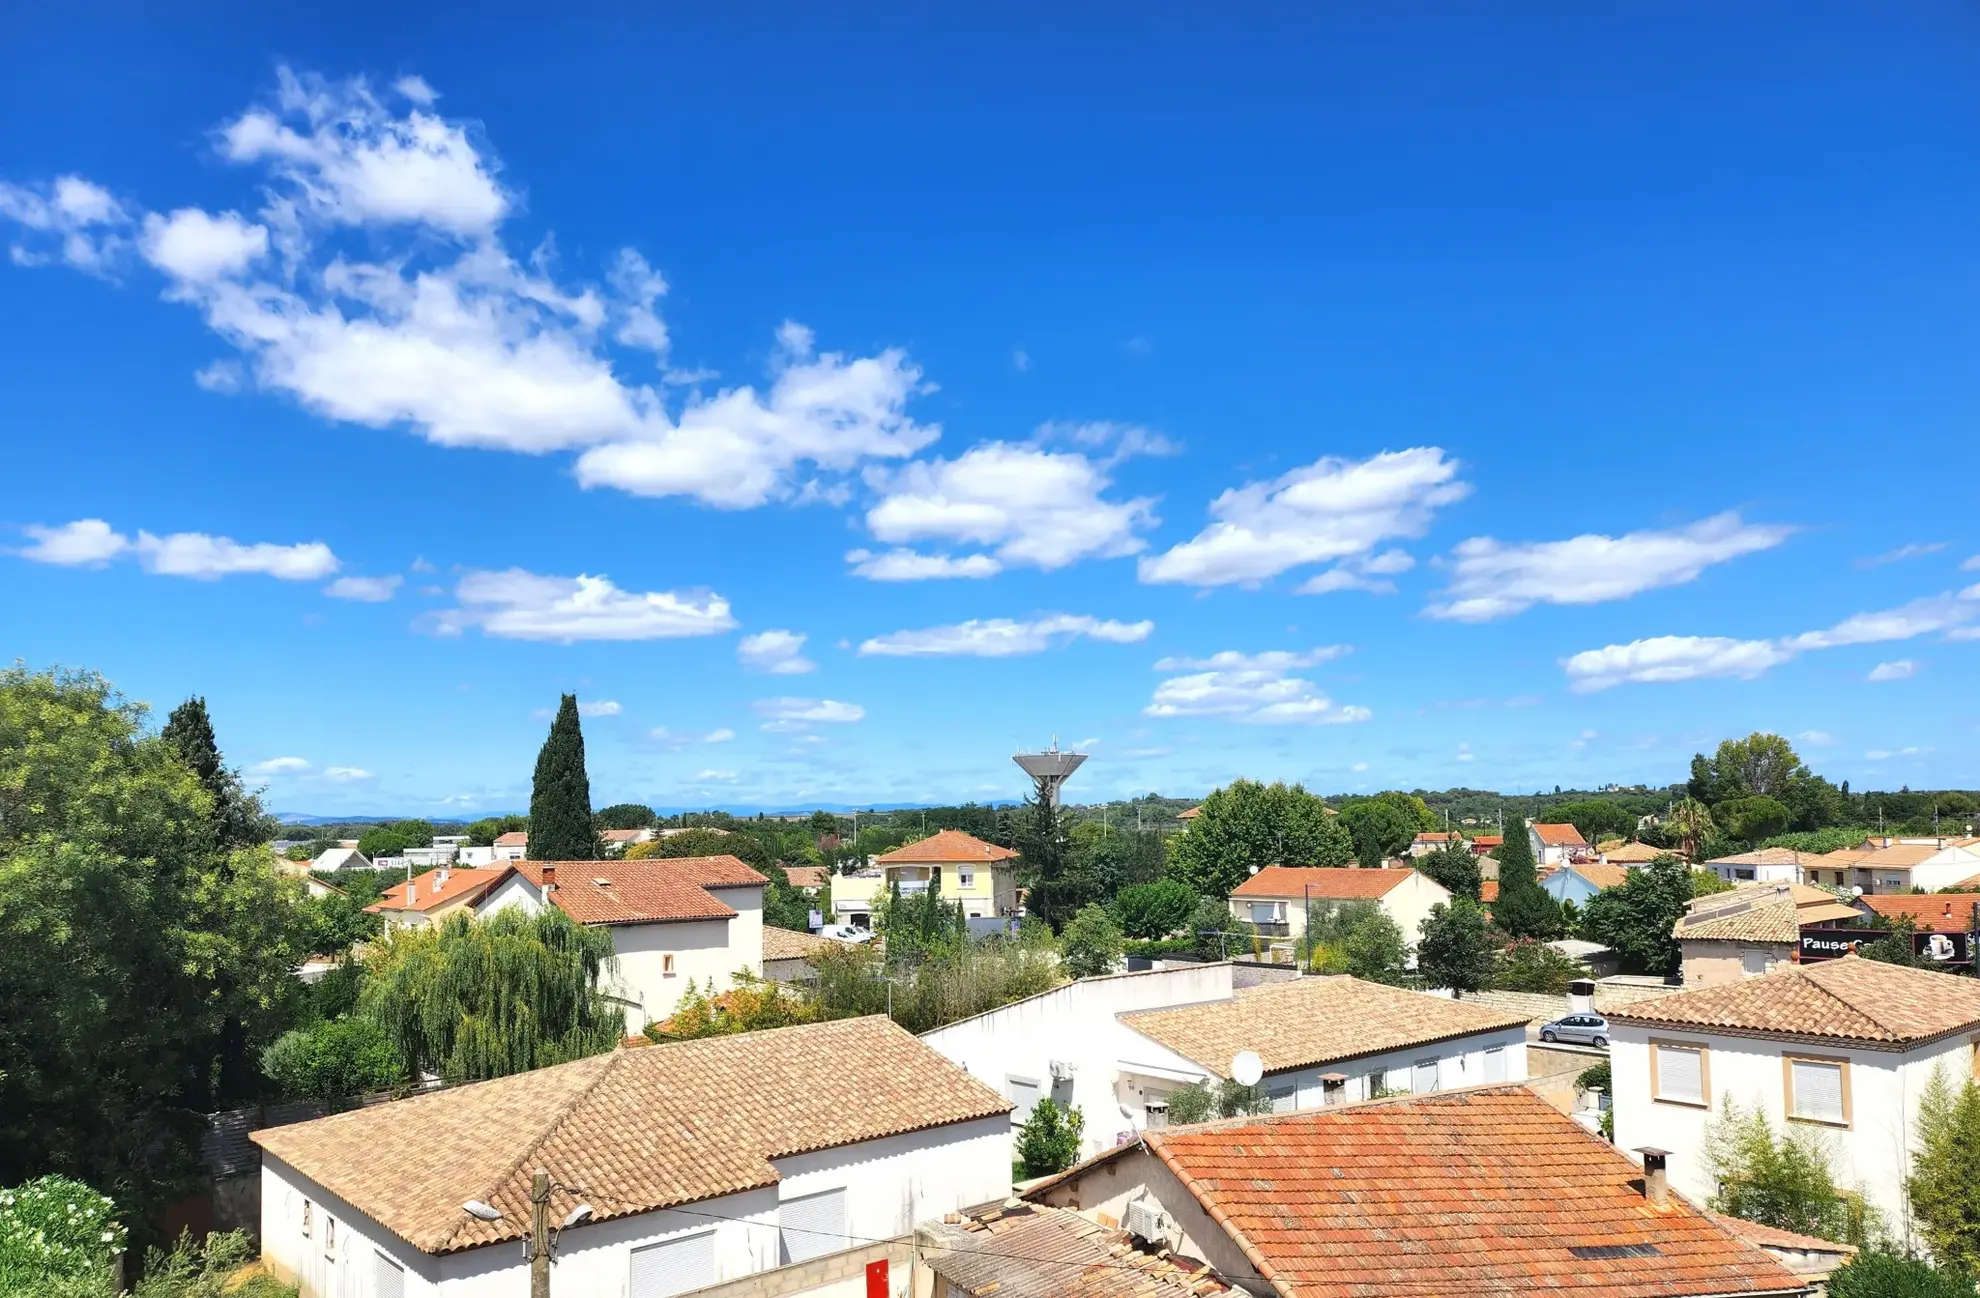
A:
<point x="1495" y="1064"/>
<point x="1680" y="1074"/>
<point x="1024" y="1094"/>
<point x="812" y="1226"/>
<point x="388" y="1277"/>
<point x="1423" y="1078"/>
<point x="672" y="1266"/>
<point x="1818" y="1091"/>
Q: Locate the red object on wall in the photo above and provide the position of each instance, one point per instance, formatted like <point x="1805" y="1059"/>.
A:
<point x="876" y="1279"/>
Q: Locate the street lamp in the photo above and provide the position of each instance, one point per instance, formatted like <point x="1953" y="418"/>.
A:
<point x="540" y="1249"/>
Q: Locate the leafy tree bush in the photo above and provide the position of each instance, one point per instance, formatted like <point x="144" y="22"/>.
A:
<point x="1455" y="946"/>
<point x="1689" y="825"/>
<point x="1245" y="826"/>
<point x="952" y="984"/>
<point x="483" y="833"/>
<point x="1218" y="934"/>
<point x="237" y="817"/>
<point x="1380" y="828"/>
<point x="1782" y="1181"/>
<point x="1944" y="1185"/>
<point x="57" y="1236"/>
<point x="624" y="815"/>
<point x="1203" y="1101"/>
<point x="1704" y="883"/>
<point x="1522" y="908"/>
<point x="749" y="1006"/>
<point x="207" y="1269"/>
<point x="1354" y="937"/>
<point x="1890" y="1275"/>
<point x="1896" y="947"/>
<point x="1092" y="943"/>
<point x="334" y="1059"/>
<point x="1154" y="910"/>
<point x="1595" y="818"/>
<point x="1635" y="917"/>
<point x="1455" y="866"/>
<point x="1529" y="966"/>
<point x="1818" y="841"/>
<point x="1049" y="1140"/>
<point x="1751" y="819"/>
<point x="560" y="826"/>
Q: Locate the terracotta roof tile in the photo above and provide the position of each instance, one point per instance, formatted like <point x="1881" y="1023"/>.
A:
<point x="806" y="876"/>
<point x="623" y="835"/>
<point x="1900" y="856"/>
<point x="1032" y="1251"/>
<point x="1312" y="1021"/>
<point x="638" y="1129"/>
<point x="1760" y="912"/>
<point x="787" y="944"/>
<point x="1489" y="840"/>
<point x="428" y="892"/>
<point x="1851" y="999"/>
<point x="1635" y="853"/>
<point x="1943" y="912"/>
<point x="1190" y="814"/>
<point x="514" y="838"/>
<point x="1560" y="836"/>
<point x="1438" y="836"/>
<point x="1602" y="876"/>
<point x="1488" y="891"/>
<point x="1754" y="1232"/>
<point x="1463" y="1195"/>
<point x="945" y="847"/>
<point x="650" y="891"/>
<point x="1332" y="883"/>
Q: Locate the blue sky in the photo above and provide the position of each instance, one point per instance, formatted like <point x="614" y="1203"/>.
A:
<point x="841" y="400"/>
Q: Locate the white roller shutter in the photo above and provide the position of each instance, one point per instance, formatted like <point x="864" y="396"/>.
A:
<point x="1495" y="1064"/>
<point x="1423" y="1077"/>
<point x="1680" y="1074"/>
<point x="388" y="1278"/>
<point x="812" y="1226"/>
<point x="672" y="1266"/>
<point x="1818" y="1090"/>
<point x="1023" y="1092"/>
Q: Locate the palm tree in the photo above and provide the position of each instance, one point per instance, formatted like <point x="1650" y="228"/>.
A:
<point x="1691" y="821"/>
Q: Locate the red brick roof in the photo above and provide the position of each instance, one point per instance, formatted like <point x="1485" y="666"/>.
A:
<point x="1191" y="814"/>
<point x="1943" y="912"/>
<point x="1560" y="835"/>
<point x="1335" y="884"/>
<point x="429" y="892"/>
<point x="1471" y="1193"/>
<point x="1488" y="840"/>
<point x="657" y="890"/>
<point x="514" y="838"/>
<point x="1488" y="891"/>
<point x="945" y="847"/>
<point x="1438" y="836"/>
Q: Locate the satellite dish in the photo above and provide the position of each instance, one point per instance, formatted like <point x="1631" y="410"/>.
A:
<point x="1247" y="1068"/>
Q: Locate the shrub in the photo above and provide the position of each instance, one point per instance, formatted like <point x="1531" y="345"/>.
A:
<point x="57" y="1236"/>
<point x="1154" y="910"/>
<point x="1528" y="966"/>
<point x="1202" y="1101"/>
<point x="1887" y="1275"/>
<point x="1092" y="942"/>
<point x="333" y="1060"/>
<point x="207" y="1269"/>
<point x="1049" y="1140"/>
<point x="1782" y="1181"/>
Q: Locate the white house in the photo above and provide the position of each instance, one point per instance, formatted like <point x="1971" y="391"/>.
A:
<point x="1767" y="865"/>
<point x="672" y="920"/>
<point x="512" y="846"/>
<point x="431" y="898"/>
<point x="1323" y="1041"/>
<point x="1276" y="899"/>
<point x="1558" y="845"/>
<point x="340" y="858"/>
<point x="701" y="1161"/>
<point x="1841" y="1047"/>
<point x="1067" y="1044"/>
<point x="1931" y="864"/>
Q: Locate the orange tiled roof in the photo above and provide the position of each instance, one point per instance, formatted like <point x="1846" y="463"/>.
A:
<point x="1632" y="853"/>
<point x="787" y="944"/>
<point x="429" y="893"/>
<point x="1488" y="891"/>
<point x="1028" y="1250"/>
<point x="1312" y="1021"/>
<point x="514" y="838"/>
<point x="1335" y="883"/>
<point x="1560" y="835"/>
<point x="945" y="847"/>
<point x="1191" y="814"/>
<point x="1602" y="876"/>
<point x="1942" y="912"/>
<point x="1489" y="840"/>
<point x="1461" y="1195"/>
<point x="655" y="890"/>
<point x="638" y="1129"/>
<point x="1438" y="836"/>
<point x="622" y="835"/>
<point x="806" y="876"/>
<point x="1851" y="999"/>
<point x="1754" y="1232"/>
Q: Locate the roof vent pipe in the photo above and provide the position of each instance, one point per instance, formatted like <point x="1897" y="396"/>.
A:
<point x="1656" y="1184"/>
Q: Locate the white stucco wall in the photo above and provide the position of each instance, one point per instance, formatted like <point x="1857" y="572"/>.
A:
<point x="1408" y="904"/>
<point x="1076" y="1024"/>
<point x="1137" y="1174"/>
<point x="1872" y="1153"/>
<point x="889" y="1184"/>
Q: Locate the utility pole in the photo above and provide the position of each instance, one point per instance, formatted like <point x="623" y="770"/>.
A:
<point x="539" y="1235"/>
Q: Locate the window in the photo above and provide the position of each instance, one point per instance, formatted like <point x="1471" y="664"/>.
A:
<point x="1743" y="874"/>
<point x="1817" y="1089"/>
<point x="329" y="1236"/>
<point x="1423" y="1077"/>
<point x="1158" y="1113"/>
<point x="1755" y="963"/>
<point x="1378" y="1082"/>
<point x="1495" y="1064"/>
<point x="1263" y="912"/>
<point x="672" y="1266"/>
<point x="965" y="878"/>
<point x="811" y="1226"/>
<point x="388" y="1278"/>
<point x="667" y="966"/>
<point x="1023" y="1092"/>
<point x="309" y="1211"/>
<point x="1679" y="1073"/>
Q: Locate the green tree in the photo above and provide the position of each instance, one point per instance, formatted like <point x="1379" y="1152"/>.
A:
<point x="484" y="832"/>
<point x="1375" y="949"/>
<point x="1091" y="943"/>
<point x="334" y="923"/>
<point x="1454" y="947"/>
<point x="625" y="815"/>
<point x="783" y="906"/>
<point x="560" y="799"/>
<point x="1523" y="908"/>
<point x="1381" y="827"/>
<point x="1766" y="765"/>
<point x="1896" y="946"/>
<point x="1049" y="1140"/>
<point x="394" y="837"/>
<point x="919" y="926"/>
<point x="478" y="998"/>
<point x="1044" y="864"/>
<point x="1944" y="1184"/>
<point x="237" y="817"/>
<point x="1154" y="910"/>
<point x="1246" y="826"/>
<point x="1635" y="918"/>
<point x="1455" y="866"/>
<point x="1203" y="1101"/>
<point x="333" y="1059"/>
<point x="1219" y="935"/>
<point x="1529" y="966"/>
<point x="1781" y="1181"/>
<point x="1751" y="819"/>
<point x="1595" y="818"/>
<point x="1690" y="825"/>
<point x="1876" y="1274"/>
<point x="58" y="1239"/>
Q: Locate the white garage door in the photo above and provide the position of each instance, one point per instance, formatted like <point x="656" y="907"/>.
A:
<point x="672" y="1266"/>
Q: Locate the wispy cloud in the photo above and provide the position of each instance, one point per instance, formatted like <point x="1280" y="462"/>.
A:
<point x="1902" y="669"/>
<point x="519" y="605"/>
<point x="1256" y="689"/>
<point x="367" y="590"/>
<point x="1000" y="637"/>
<point x="788" y="714"/>
<point x="92" y="543"/>
<point x="776" y="653"/>
<point x="280" y="766"/>
<point x="1903" y="552"/>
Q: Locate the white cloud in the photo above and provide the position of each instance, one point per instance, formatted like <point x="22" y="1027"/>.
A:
<point x="208" y="558"/>
<point x="789" y="714"/>
<point x="88" y="227"/>
<point x="779" y="653"/>
<point x="346" y="774"/>
<point x="87" y="542"/>
<point x="221" y="376"/>
<point x="1359" y="767"/>
<point x="416" y="89"/>
<point x="677" y="741"/>
<point x="193" y="247"/>
<point x="1816" y="739"/>
<point x="1903" y="552"/>
<point x="1001" y="637"/>
<point x="1885" y="754"/>
<point x="279" y="766"/>
<point x="1919" y="617"/>
<point x="1464" y="753"/>
<point x="1021" y="360"/>
<point x="519" y="605"/>
<point x="1370" y="574"/>
<point x="1252" y="688"/>
<point x="1492" y="580"/>
<point x="367" y="590"/>
<point x="1332" y="509"/>
<point x="1972" y="564"/>
<point x="1903" y="669"/>
<point x="716" y="777"/>
<point x="1022" y="504"/>
<point x="600" y="708"/>
<point x="722" y="736"/>
<point x="911" y="565"/>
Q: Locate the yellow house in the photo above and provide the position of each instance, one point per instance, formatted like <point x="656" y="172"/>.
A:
<point x="977" y="874"/>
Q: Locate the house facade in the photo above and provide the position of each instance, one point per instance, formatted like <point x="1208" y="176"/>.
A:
<point x="1558" y="845"/>
<point x="1752" y="930"/>
<point x="965" y="869"/>
<point x="1898" y="866"/>
<point x="512" y="846"/>
<point x="1580" y="883"/>
<point x="798" y="1152"/>
<point x="431" y="898"/>
<point x="1767" y="865"/>
<point x="1843" y="1048"/>
<point x="1276" y="900"/>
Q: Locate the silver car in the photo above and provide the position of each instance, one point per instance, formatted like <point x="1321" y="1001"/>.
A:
<point x="1587" y="1029"/>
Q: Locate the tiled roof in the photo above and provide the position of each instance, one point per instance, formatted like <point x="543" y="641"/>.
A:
<point x="1190" y="814"/>
<point x="1851" y="999"/>
<point x="1032" y="1251"/>
<point x="1437" y="836"/>
<point x="1488" y="891"/>
<point x="1763" y="856"/>
<point x="655" y="890"/>
<point x="1560" y="835"/>
<point x="1463" y="1195"/>
<point x="623" y="835"/>
<point x="428" y="892"/>
<point x="1760" y="912"/>
<point x="1334" y="884"/>
<point x="806" y="876"/>
<point x="1943" y="912"/>
<point x="1634" y="853"/>
<point x="514" y="838"/>
<point x="1312" y="1021"/>
<point x="786" y="944"/>
<point x="638" y="1129"/>
<point x="1899" y="856"/>
<point x="1770" y="1237"/>
<point x="947" y="846"/>
<point x="1602" y="876"/>
<point x="1489" y="840"/>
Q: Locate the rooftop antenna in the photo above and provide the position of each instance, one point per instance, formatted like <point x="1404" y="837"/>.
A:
<point x="1049" y="770"/>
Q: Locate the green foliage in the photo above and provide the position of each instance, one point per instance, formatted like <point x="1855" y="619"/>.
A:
<point x="624" y="815"/>
<point x="483" y="833"/>
<point x="478" y="998"/>
<point x="919" y="926"/>
<point x="1896" y="946"/>
<point x="951" y="984"/>
<point x="560" y="826"/>
<point x="1246" y="826"/>
<point x="750" y="1006"/>
<point x="1154" y="910"/>
<point x="1107" y="858"/>
<point x="1751" y="819"/>
<point x="1689" y="825"/>
<point x="1704" y="883"/>
<point x="1765" y="766"/>
<point x="57" y="1236"/>
<point x="1454" y="948"/>
<point x="1944" y="1185"/>
<point x="1054" y="894"/>
<point x="1204" y="1101"/>
<point x="1529" y="966"/>
<point x="1635" y="917"/>
<point x="333" y="1060"/>
<point x="394" y="838"/>
<point x="1354" y="937"/>
<point x="1818" y="841"/>
<point x="1092" y="943"/>
<point x="1217" y="933"/>
<point x="1892" y="1275"/>
<point x="1595" y="1079"/>
<point x="1455" y="866"/>
<point x="206" y="1269"/>
<point x="1523" y="909"/>
<point x="1049" y="1140"/>
<point x="237" y="817"/>
<point x="1596" y="818"/>
<point x="333" y="924"/>
<point x="1384" y="826"/>
<point x="1784" y="1181"/>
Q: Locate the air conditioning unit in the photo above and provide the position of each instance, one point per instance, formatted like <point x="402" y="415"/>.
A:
<point x="1061" y="1071"/>
<point x="1146" y="1221"/>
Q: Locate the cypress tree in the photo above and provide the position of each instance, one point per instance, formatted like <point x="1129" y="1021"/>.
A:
<point x="237" y="817"/>
<point x="560" y="826"/>
<point x="1523" y="909"/>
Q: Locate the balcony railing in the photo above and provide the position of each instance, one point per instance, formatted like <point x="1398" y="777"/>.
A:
<point x="1273" y="928"/>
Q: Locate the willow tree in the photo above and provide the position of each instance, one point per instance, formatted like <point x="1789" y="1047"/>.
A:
<point x="478" y="998"/>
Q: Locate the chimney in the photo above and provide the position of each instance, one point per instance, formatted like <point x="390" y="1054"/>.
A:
<point x="549" y="877"/>
<point x="443" y="876"/>
<point x="412" y="891"/>
<point x="1656" y="1186"/>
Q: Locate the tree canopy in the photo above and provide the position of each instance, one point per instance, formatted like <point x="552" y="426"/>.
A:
<point x="1154" y="910"/>
<point x="1455" y="866"/>
<point x="560" y="827"/>
<point x="1635" y="918"/>
<point x="1246" y="826"/>
<point x="1523" y="908"/>
<point x="625" y="815"/>
<point x="1091" y="943"/>
<point x="1454" y="946"/>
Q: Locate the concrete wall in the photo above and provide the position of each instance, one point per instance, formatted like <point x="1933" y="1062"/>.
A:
<point x="1710" y="962"/>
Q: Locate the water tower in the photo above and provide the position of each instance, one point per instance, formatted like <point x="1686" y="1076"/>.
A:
<point x="1049" y="769"/>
